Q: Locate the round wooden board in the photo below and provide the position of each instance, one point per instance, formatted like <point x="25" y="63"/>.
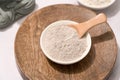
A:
<point x="35" y="66"/>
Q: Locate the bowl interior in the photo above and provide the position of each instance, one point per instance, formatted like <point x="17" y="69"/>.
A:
<point x="96" y="7"/>
<point x="65" y="22"/>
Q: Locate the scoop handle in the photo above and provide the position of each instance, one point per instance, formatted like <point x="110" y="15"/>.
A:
<point x="83" y="27"/>
<point x="100" y="18"/>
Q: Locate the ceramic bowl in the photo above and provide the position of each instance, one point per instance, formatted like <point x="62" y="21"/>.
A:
<point x="96" y="7"/>
<point x="65" y="22"/>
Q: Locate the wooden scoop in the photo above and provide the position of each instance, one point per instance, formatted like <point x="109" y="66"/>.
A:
<point x="83" y="27"/>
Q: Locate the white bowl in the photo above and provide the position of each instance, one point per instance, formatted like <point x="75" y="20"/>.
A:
<point x="96" y="7"/>
<point x="65" y="22"/>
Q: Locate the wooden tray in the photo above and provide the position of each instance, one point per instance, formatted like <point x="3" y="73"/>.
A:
<point x="35" y="66"/>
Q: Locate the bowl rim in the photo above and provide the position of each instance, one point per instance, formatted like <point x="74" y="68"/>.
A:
<point x="97" y="8"/>
<point x="63" y="62"/>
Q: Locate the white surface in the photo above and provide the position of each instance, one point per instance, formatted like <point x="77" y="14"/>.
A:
<point x="8" y="68"/>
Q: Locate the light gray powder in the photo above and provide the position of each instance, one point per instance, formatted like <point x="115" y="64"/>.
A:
<point x="63" y="43"/>
<point x="96" y="3"/>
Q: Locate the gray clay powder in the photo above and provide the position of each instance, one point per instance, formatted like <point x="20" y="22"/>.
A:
<point x="63" y="43"/>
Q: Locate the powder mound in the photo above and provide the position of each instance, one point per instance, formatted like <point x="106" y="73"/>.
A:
<point x="63" y="43"/>
<point x="96" y="3"/>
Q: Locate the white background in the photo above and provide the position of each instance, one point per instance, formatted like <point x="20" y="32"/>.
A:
<point x="8" y="68"/>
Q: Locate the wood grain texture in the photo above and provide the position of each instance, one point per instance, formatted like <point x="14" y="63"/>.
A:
<point x="35" y="66"/>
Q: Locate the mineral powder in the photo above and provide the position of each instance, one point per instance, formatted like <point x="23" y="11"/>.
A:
<point x="62" y="43"/>
<point x="96" y="3"/>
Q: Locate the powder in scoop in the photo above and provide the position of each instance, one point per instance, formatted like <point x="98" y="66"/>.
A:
<point x="63" y="43"/>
